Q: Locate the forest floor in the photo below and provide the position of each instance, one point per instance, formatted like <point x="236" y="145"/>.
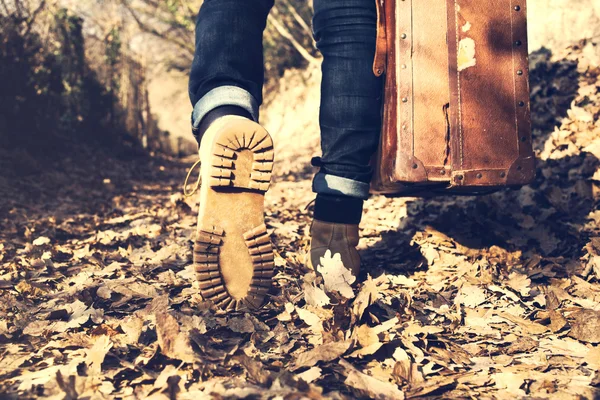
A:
<point x="490" y="297"/>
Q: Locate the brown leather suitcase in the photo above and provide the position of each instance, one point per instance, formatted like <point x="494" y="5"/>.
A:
<point x="456" y="110"/>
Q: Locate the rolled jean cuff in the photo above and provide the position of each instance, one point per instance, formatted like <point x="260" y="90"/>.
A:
<point x="224" y="96"/>
<point x="338" y="186"/>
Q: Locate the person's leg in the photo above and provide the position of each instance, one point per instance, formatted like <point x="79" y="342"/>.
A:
<point x="232" y="253"/>
<point x="351" y="95"/>
<point x="227" y="69"/>
<point x="350" y="121"/>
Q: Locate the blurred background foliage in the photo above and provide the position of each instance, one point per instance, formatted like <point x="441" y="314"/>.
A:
<point x="80" y="71"/>
<point x="48" y="95"/>
<point x="287" y="40"/>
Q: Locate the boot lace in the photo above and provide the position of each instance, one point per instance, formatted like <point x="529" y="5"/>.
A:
<point x="187" y="178"/>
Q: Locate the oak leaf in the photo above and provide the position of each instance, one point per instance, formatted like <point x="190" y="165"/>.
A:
<point x="336" y="276"/>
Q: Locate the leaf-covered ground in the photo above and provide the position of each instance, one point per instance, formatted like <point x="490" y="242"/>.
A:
<point x="491" y="297"/>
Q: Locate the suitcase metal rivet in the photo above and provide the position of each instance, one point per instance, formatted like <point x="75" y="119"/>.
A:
<point x="403" y="66"/>
<point x="523" y="139"/>
<point x="415" y="166"/>
<point x="404" y="99"/>
<point x="519" y="72"/>
<point x="502" y="174"/>
<point x="459" y="177"/>
<point x="521" y="104"/>
<point x="517" y="8"/>
<point x="479" y="175"/>
<point x="519" y="168"/>
<point x="403" y="36"/>
<point x="518" y="43"/>
<point x="442" y="172"/>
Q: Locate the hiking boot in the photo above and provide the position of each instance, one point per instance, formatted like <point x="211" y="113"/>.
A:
<point x="233" y="254"/>
<point x="338" y="238"/>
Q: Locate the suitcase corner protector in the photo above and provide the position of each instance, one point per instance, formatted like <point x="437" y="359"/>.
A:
<point x="521" y="172"/>
<point x="409" y="169"/>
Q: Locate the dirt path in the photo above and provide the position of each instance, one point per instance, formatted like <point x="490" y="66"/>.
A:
<point x="496" y="297"/>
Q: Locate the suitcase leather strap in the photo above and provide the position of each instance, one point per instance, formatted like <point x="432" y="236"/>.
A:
<point x="379" y="63"/>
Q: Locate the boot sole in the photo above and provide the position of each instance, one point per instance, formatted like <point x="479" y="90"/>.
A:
<point x="233" y="254"/>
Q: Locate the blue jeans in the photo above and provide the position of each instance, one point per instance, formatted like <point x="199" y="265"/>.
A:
<point x="228" y="70"/>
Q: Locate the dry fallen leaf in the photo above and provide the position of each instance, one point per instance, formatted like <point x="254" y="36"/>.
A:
<point x="369" y="293"/>
<point x="173" y="343"/>
<point x="470" y="296"/>
<point x="371" y="387"/>
<point x="310" y="375"/>
<point x="41" y="241"/>
<point x="325" y="352"/>
<point x="586" y="326"/>
<point x="520" y="283"/>
<point x="336" y="277"/>
<point x="311" y="319"/>
<point x="286" y="314"/>
<point x="132" y="327"/>
<point x="510" y="382"/>
<point x="404" y="366"/>
<point x="528" y="326"/>
<point x="557" y="321"/>
<point x="314" y="295"/>
<point x="241" y="325"/>
<point x="95" y="356"/>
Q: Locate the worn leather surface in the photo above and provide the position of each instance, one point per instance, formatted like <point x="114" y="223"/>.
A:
<point x="338" y="238"/>
<point x="456" y="113"/>
<point x="380" y="49"/>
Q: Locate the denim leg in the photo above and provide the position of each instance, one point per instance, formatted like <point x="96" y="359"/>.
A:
<point x="228" y="63"/>
<point x="351" y="95"/>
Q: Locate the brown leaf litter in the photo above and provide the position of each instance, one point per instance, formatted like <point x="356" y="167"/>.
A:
<point x="495" y="297"/>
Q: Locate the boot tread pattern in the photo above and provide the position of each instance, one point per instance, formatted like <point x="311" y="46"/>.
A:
<point x="261" y="252"/>
<point x="225" y="153"/>
<point x="206" y="261"/>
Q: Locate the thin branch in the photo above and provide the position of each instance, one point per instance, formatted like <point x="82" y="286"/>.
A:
<point x="192" y="13"/>
<point x="33" y="16"/>
<point x="5" y="7"/>
<point x="298" y="18"/>
<point x="287" y="35"/>
<point x="183" y="45"/>
<point x="19" y="9"/>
